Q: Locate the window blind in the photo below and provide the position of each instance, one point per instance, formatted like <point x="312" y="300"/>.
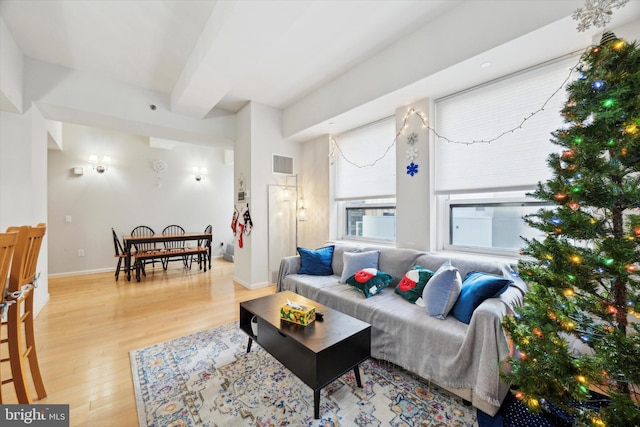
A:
<point x="356" y="175"/>
<point x="517" y="159"/>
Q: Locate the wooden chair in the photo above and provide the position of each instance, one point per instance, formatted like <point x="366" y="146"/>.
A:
<point x="204" y="246"/>
<point x="7" y="246"/>
<point x="120" y="254"/>
<point x="175" y="250"/>
<point x="145" y="253"/>
<point x="22" y="281"/>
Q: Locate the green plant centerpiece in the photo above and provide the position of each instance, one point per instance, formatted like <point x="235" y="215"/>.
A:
<point x="578" y="331"/>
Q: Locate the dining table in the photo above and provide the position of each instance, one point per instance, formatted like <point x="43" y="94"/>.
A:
<point x="198" y="237"/>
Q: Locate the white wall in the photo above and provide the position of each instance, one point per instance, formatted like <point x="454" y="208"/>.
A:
<point x="259" y="136"/>
<point x="23" y="174"/>
<point x="415" y="215"/>
<point x="11" y="70"/>
<point x="130" y="193"/>
<point x="315" y="188"/>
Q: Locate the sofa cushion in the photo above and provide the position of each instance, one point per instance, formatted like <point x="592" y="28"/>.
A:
<point x="337" y="264"/>
<point x="355" y="261"/>
<point x="442" y="290"/>
<point x="413" y="282"/>
<point x="477" y="287"/>
<point x="316" y="262"/>
<point x="395" y="261"/>
<point x="370" y="281"/>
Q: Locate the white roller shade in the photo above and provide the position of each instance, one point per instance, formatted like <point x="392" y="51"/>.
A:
<point x="516" y="160"/>
<point x="356" y="177"/>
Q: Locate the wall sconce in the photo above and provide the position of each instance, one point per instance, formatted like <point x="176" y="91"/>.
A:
<point x="102" y="166"/>
<point x="199" y="173"/>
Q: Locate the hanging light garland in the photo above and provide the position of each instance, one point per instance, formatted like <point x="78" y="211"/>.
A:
<point x="413" y="137"/>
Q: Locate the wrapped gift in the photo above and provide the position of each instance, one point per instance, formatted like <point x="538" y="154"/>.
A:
<point x="296" y="313"/>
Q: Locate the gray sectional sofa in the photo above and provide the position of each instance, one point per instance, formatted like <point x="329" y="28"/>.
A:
<point x="464" y="359"/>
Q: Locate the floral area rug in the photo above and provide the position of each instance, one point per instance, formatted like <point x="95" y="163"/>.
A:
<point x="208" y="379"/>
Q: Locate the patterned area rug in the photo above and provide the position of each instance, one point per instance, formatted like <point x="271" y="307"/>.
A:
<point x="208" y="379"/>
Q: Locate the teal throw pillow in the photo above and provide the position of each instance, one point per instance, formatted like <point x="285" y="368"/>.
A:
<point x="476" y="288"/>
<point x="370" y="281"/>
<point x="316" y="262"/>
<point x="413" y="282"/>
<point x="442" y="290"/>
<point x="356" y="261"/>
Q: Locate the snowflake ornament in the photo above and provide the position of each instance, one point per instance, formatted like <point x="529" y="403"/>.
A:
<point x="596" y="12"/>
<point x="412" y="138"/>
<point x="412" y="169"/>
<point x="412" y="153"/>
<point x="159" y="166"/>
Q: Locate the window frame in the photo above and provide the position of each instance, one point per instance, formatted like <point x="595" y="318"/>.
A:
<point x="445" y="233"/>
<point x="374" y="203"/>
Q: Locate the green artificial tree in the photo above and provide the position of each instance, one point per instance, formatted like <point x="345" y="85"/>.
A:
<point x="583" y="276"/>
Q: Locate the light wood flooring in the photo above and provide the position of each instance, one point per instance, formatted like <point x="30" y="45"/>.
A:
<point x="85" y="332"/>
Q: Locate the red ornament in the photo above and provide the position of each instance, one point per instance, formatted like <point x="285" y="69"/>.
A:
<point x="637" y="231"/>
<point x="567" y="154"/>
<point x="560" y="196"/>
<point x="574" y="206"/>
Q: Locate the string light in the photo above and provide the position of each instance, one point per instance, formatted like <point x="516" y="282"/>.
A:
<point x="423" y="120"/>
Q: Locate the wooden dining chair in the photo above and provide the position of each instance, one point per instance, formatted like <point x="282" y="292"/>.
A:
<point x="204" y="246"/>
<point x="144" y="252"/>
<point x="7" y="246"/>
<point x="22" y="282"/>
<point x="174" y="249"/>
<point x="120" y="254"/>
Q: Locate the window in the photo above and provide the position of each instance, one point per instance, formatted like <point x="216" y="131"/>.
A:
<point x="496" y="226"/>
<point x="364" y="170"/>
<point x="480" y="186"/>
<point x="371" y="219"/>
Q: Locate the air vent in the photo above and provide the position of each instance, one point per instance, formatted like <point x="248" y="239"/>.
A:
<point x="282" y="164"/>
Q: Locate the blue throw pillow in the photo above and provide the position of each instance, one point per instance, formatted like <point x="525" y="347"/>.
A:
<point x="316" y="263"/>
<point x="477" y="287"/>
<point x="356" y="261"/>
<point x="370" y="281"/>
<point x="442" y="290"/>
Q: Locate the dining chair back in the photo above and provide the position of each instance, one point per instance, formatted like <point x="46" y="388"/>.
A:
<point x="120" y="254"/>
<point x="7" y="246"/>
<point x="141" y="231"/>
<point x="20" y="321"/>
<point x="174" y="247"/>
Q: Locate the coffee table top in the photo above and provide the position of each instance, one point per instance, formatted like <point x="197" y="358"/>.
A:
<point x="318" y="335"/>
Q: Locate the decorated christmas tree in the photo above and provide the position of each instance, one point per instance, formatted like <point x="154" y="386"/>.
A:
<point x="578" y="335"/>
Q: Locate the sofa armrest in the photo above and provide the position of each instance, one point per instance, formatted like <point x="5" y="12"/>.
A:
<point x="288" y="265"/>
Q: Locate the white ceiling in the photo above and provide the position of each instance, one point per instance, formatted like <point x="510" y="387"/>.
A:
<point x="147" y="43"/>
<point x="205" y="53"/>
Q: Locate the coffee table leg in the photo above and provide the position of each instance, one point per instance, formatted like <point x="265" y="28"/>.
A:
<point x="249" y="344"/>
<point x="316" y="404"/>
<point x="356" y="372"/>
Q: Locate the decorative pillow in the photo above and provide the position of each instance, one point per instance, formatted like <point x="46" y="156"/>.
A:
<point x="316" y="262"/>
<point x="412" y="284"/>
<point x="442" y="290"/>
<point x="370" y="281"/>
<point x="356" y="261"/>
<point x="477" y="287"/>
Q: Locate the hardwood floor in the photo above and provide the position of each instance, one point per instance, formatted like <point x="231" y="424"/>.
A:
<point x="85" y="332"/>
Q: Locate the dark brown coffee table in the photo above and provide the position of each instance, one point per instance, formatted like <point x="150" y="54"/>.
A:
<point x="318" y="353"/>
